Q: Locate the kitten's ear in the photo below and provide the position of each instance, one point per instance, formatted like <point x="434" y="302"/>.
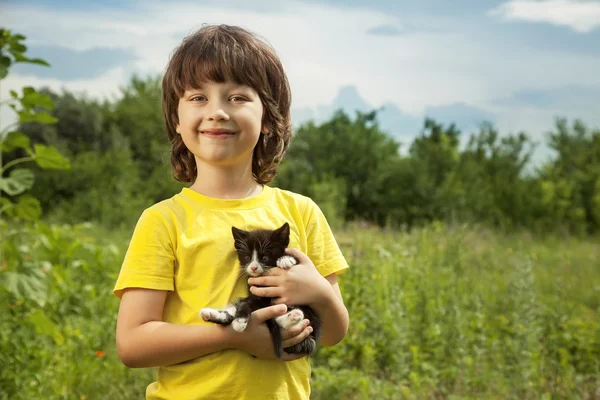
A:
<point x="238" y="234"/>
<point x="283" y="232"/>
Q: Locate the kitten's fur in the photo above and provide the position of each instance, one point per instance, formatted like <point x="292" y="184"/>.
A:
<point x="258" y="251"/>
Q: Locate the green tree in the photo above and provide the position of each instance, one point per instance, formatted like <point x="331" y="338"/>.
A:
<point x="434" y="155"/>
<point x="350" y="152"/>
<point x="571" y="182"/>
<point x="138" y="115"/>
<point x="82" y="125"/>
<point x="113" y="151"/>
<point x="492" y="179"/>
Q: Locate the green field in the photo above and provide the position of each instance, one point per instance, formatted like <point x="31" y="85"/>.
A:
<point x="437" y="312"/>
<point x="457" y="313"/>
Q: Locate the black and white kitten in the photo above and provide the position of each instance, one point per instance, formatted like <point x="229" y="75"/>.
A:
<point x="259" y="251"/>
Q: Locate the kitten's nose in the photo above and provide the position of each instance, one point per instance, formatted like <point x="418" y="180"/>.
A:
<point x="253" y="268"/>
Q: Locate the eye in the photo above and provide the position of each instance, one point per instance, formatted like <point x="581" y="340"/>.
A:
<point x="238" y="99"/>
<point x="199" y="97"/>
<point x="264" y="258"/>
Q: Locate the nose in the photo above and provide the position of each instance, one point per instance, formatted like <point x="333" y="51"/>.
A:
<point x="217" y="113"/>
<point x="254" y="268"/>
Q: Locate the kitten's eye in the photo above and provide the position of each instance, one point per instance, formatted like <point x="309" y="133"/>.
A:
<point x="264" y="259"/>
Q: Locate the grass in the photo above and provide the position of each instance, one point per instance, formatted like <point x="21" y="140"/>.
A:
<point x="440" y="313"/>
<point x="466" y="313"/>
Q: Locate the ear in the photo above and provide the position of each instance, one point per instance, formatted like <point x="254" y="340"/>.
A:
<point x="283" y="232"/>
<point x="177" y="129"/>
<point x="265" y="130"/>
<point x="238" y="234"/>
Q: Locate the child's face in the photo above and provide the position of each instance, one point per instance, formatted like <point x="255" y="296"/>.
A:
<point x="220" y="123"/>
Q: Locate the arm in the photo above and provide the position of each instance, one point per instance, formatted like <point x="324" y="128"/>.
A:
<point x="332" y="311"/>
<point x="302" y="284"/>
<point x="144" y="340"/>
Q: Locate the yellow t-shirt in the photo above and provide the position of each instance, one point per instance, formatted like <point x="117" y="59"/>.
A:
<point x="184" y="245"/>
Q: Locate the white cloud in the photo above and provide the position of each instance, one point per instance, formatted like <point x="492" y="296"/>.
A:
<point x="581" y="16"/>
<point x="323" y="48"/>
<point x="315" y="42"/>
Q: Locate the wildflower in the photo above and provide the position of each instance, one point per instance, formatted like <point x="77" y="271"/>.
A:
<point x="100" y="353"/>
<point x="46" y="266"/>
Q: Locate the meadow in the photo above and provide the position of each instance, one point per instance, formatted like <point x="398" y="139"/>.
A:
<point x="437" y="311"/>
<point x="441" y="312"/>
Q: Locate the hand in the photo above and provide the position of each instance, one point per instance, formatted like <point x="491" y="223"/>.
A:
<point x="300" y="285"/>
<point x="256" y="338"/>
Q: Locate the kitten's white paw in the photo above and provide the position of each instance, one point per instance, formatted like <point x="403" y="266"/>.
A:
<point x="239" y="324"/>
<point x="231" y="310"/>
<point x="209" y="314"/>
<point x="290" y="319"/>
<point x="286" y="262"/>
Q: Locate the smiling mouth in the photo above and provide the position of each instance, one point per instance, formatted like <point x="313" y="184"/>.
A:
<point x="217" y="132"/>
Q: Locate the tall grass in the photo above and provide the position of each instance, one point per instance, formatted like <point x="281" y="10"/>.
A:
<point x="465" y="313"/>
<point x="456" y="313"/>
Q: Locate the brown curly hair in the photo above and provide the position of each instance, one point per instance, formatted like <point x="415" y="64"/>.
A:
<point x="223" y="53"/>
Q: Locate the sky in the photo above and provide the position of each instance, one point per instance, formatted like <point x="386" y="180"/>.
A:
<point x="518" y="64"/>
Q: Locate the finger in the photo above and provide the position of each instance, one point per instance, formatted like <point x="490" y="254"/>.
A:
<point x="300" y="256"/>
<point x="276" y="271"/>
<point x="294" y="330"/>
<point x="279" y="300"/>
<point x="266" y="313"/>
<point x="298" y="338"/>
<point x="273" y="271"/>
<point x="264" y="281"/>
<point x="265" y="291"/>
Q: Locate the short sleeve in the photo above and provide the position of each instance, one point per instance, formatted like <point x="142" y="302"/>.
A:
<point x="149" y="261"/>
<point x="323" y="249"/>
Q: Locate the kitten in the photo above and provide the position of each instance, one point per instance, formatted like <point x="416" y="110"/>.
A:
<point x="259" y="251"/>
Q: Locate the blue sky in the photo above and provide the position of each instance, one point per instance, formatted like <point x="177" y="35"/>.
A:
<point x="516" y="63"/>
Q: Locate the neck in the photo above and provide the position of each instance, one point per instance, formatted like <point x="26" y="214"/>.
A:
<point x="226" y="183"/>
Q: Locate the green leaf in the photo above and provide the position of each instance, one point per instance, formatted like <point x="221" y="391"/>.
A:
<point x="17" y="48"/>
<point x="4" y="65"/>
<point x="29" y="286"/>
<point x="5" y="61"/>
<point x="31" y="98"/>
<point x="38" y="61"/>
<point x="14" y="140"/>
<point x="41" y="117"/>
<point x="44" y="326"/>
<point x="14" y="94"/>
<point x="49" y="158"/>
<point x="18" y="181"/>
<point x="28" y="208"/>
<point x="6" y="205"/>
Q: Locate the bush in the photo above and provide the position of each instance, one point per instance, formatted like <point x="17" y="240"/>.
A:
<point x="441" y="312"/>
